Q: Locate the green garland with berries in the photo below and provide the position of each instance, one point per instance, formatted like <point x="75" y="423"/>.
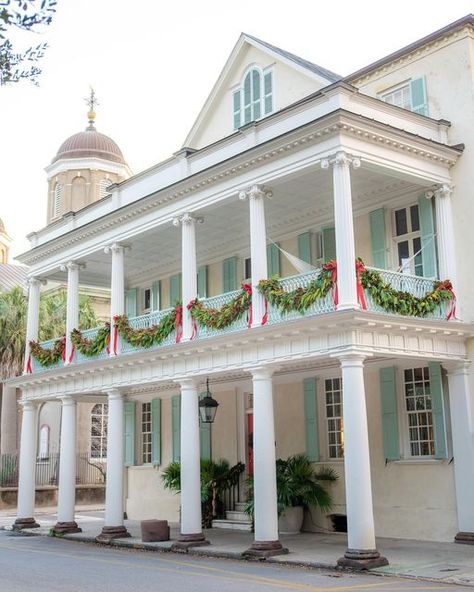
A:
<point x="149" y="336"/>
<point x="220" y="318"/>
<point x="91" y="347"/>
<point x="48" y="357"/>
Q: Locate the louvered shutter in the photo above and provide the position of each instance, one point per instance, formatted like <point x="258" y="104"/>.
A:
<point x="175" y="289"/>
<point x="329" y="243"/>
<point x="273" y="260"/>
<point x="428" y="253"/>
<point x="156" y="296"/>
<point x="229" y="274"/>
<point x="202" y="281"/>
<point x="304" y="247"/>
<point x="129" y="432"/>
<point x="388" y="400"/>
<point x="437" y="408"/>
<point x="419" y="99"/>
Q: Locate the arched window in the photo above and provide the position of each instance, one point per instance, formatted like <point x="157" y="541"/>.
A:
<point x="44" y="442"/>
<point x="99" y="430"/>
<point x="254" y="98"/>
<point x="57" y="200"/>
<point x="104" y="184"/>
<point x="78" y="193"/>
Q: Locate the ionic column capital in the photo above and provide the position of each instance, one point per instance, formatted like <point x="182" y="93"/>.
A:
<point x="255" y="192"/>
<point x="351" y="358"/>
<point x="263" y="372"/>
<point x="444" y="190"/>
<point x="67" y="401"/>
<point x="188" y="383"/>
<point x="28" y="404"/>
<point x="71" y="266"/>
<point x="187" y="219"/>
<point x="116" y="248"/>
<point x="114" y="394"/>
<point x="457" y="368"/>
<point x="35" y="282"/>
<point x="341" y="158"/>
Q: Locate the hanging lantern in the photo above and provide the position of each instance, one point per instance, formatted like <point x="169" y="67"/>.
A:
<point x="207" y="406"/>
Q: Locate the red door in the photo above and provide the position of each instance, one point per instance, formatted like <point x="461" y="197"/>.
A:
<point x="250" y="443"/>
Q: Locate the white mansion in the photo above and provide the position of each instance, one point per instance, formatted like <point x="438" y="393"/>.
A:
<point x="355" y="197"/>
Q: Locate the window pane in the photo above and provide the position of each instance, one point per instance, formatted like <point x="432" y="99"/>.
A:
<point x="147" y="302"/>
<point x="256" y="85"/>
<point x="418" y="260"/>
<point x="403" y="252"/>
<point x="401" y="222"/>
<point x="420" y="418"/>
<point x="247" y="97"/>
<point x="415" y="220"/>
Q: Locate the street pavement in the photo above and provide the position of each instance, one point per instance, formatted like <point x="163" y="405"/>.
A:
<point x="43" y="564"/>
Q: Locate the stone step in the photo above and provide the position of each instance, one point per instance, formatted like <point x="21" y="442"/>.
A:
<point x="239" y="506"/>
<point x="237" y="516"/>
<point x="232" y="525"/>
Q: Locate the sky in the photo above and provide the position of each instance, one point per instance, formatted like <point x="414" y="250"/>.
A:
<point x="153" y="63"/>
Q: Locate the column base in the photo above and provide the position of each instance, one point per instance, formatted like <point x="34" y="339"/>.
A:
<point x="264" y="549"/>
<point x="66" y="528"/>
<point x="464" y="538"/>
<point x="186" y="541"/>
<point x="366" y="559"/>
<point x="112" y="532"/>
<point x="22" y="523"/>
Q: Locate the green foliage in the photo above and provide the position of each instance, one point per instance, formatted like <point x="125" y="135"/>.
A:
<point x="91" y="347"/>
<point x="151" y="335"/>
<point x="27" y="15"/>
<point x="220" y="318"/>
<point x="298" y="484"/>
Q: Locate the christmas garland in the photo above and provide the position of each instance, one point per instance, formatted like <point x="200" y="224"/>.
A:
<point x="151" y="335"/>
<point x="48" y="357"/>
<point x="220" y="318"/>
<point x="91" y="347"/>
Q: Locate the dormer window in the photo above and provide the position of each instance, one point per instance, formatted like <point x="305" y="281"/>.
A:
<point x="254" y="99"/>
<point x="409" y="95"/>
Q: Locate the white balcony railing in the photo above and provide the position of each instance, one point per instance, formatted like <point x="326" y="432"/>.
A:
<point x="89" y="334"/>
<point x="218" y="302"/>
<point x="145" y="322"/>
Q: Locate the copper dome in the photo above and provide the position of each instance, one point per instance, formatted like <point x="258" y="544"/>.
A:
<point x="90" y="143"/>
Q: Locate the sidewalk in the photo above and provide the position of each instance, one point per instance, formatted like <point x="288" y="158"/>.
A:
<point x="441" y="562"/>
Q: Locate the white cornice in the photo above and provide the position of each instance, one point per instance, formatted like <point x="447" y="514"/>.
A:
<point x="100" y="164"/>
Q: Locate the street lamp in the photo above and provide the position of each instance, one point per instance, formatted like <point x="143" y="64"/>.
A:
<point x="207" y="406"/>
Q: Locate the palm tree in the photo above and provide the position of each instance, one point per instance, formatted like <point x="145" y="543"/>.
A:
<point x="13" y="315"/>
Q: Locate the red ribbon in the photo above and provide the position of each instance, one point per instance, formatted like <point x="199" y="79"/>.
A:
<point x="29" y="369"/>
<point x="248" y="290"/>
<point x="63" y="353"/>
<point x="448" y="287"/>
<point x="360" y="268"/>
<point x="265" y="315"/>
<point x="71" y="355"/>
<point x="115" y="336"/>
<point x="178" y="323"/>
<point x="189" y="307"/>
<point x="332" y="267"/>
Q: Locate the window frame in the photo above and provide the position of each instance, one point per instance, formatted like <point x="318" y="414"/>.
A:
<point x="143" y="299"/>
<point x="146" y="408"/>
<point x="328" y="446"/>
<point x="104" y="428"/>
<point x="395" y="88"/>
<point x="409" y="237"/>
<point x="239" y="88"/>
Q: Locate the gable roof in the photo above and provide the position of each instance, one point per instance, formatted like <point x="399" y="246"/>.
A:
<point x="317" y="73"/>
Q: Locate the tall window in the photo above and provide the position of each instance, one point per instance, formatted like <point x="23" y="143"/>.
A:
<point x="146" y="432"/>
<point x="408" y="240"/>
<point x="99" y="430"/>
<point x="333" y="390"/>
<point x="104" y="184"/>
<point x="44" y="442"/>
<point x="57" y="200"/>
<point x="401" y="96"/>
<point x="418" y="407"/>
<point x="410" y="94"/>
<point x="254" y="98"/>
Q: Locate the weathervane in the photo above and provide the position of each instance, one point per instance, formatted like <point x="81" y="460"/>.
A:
<point x="92" y="102"/>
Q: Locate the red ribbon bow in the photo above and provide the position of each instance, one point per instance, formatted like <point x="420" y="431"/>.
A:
<point x="115" y="336"/>
<point x="247" y="288"/>
<point x="71" y="355"/>
<point x="332" y="267"/>
<point x="189" y="307"/>
<point x="63" y="348"/>
<point x="448" y="287"/>
<point x="29" y="369"/>
<point x="360" y="268"/>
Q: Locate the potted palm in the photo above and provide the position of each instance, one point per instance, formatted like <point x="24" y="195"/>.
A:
<point x="299" y="486"/>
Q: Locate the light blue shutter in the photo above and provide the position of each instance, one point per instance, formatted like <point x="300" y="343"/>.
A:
<point x="236" y="108"/>
<point x="273" y="260"/>
<point x="329" y="243"/>
<point x="419" y="100"/>
<point x="176" y="427"/>
<point x="175" y="289"/>
<point x="156" y="295"/>
<point x="311" y="419"/>
<point x="388" y="399"/>
<point x="131" y="303"/>
<point x="256" y="94"/>
<point x="268" y="91"/>
<point x="304" y="247"/>
<point x="437" y="407"/>
<point x="229" y="275"/>
<point x="129" y="432"/>
<point x="247" y="99"/>
<point x="156" y="432"/>
<point x="428" y="254"/>
<point x="205" y="437"/>
<point x="377" y="237"/>
<point x="202" y="281"/>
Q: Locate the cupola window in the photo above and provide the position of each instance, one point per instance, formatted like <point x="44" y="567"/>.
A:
<point x="57" y="200"/>
<point x="254" y="99"/>
<point x="104" y="184"/>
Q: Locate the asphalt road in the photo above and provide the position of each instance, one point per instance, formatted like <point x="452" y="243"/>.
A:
<point x="41" y="564"/>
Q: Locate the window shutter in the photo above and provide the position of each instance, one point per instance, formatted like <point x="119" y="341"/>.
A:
<point x="268" y="92"/>
<point x="156" y="295"/>
<point x="176" y="427"/>
<point x="311" y="419"/>
<point x="273" y="260"/>
<point x="131" y="303"/>
<point x="236" y="106"/>
<point x="247" y="99"/>
<point x="175" y="289"/>
<point x="205" y="437"/>
<point x="437" y="407"/>
<point x="202" y="281"/>
<point x="229" y="274"/>
<point x="428" y="254"/>
<point x="256" y="94"/>
<point x="419" y="100"/>
<point x="377" y="237"/>
<point x="388" y="396"/>
<point x="129" y="432"/>
<point x="156" y="432"/>
<point x="329" y="243"/>
<point x="304" y="247"/>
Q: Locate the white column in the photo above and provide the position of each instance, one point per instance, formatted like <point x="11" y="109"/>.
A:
<point x="266" y="541"/>
<point x="67" y="469"/>
<point x="114" y="526"/>
<point x="117" y="291"/>
<point x="461" y="408"/>
<point x="360" y="515"/>
<point x="258" y="246"/>
<point x="445" y="234"/>
<point x="9" y="420"/>
<point x="191" y="518"/>
<point x="72" y="309"/>
<point x="32" y="323"/>
<point x="26" y="481"/>
<point x="344" y="226"/>
<point x="188" y="267"/>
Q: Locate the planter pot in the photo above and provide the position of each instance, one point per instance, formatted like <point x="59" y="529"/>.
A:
<point x="291" y="521"/>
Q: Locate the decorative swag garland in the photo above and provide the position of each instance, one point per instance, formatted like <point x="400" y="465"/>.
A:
<point x="298" y="300"/>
